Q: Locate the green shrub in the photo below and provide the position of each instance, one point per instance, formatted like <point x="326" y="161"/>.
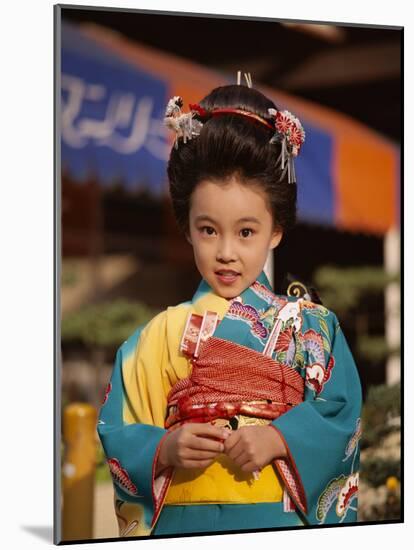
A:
<point x="106" y="324"/>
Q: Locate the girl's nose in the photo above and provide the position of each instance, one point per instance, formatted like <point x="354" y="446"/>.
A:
<point x="225" y="251"/>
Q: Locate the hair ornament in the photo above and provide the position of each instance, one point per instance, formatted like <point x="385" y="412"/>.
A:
<point x="291" y="135"/>
<point x="196" y="108"/>
<point x="183" y="124"/>
<point x="288" y="130"/>
<point x="248" y="78"/>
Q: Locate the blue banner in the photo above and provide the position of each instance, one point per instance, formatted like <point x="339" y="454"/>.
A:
<point x="111" y="117"/>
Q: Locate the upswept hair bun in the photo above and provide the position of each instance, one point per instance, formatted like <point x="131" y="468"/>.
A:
<point x="232" y="145"/>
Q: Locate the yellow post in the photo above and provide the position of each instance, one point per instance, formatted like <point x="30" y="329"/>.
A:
<point x="392" y="502"/>
<point x="78" y="472"/>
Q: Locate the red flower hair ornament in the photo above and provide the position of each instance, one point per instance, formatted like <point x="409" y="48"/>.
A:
<point x="291" y="135"/>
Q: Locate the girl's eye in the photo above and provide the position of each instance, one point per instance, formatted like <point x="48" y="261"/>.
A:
<point x="207" y="230"/>
<point x="246" y="232"/>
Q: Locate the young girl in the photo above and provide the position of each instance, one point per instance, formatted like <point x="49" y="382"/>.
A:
<point x="239" y="409"/>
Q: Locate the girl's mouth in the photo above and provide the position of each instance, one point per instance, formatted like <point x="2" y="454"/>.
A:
<point x="226" y="276"/>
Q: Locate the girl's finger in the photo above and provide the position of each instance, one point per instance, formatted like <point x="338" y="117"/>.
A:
<point x="207" y="430"/>
<point x="241" y="459"/>
<point x="200" y="455"/>
<point x="205" y="444"/>
<point x="235" y="451"/>
<point x="250" y="467"/>
<point x="232" y="441"/>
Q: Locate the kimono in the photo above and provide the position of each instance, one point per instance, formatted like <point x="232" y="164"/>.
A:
<point x="259" y="358"/>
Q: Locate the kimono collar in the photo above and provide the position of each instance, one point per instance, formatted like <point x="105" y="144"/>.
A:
<point x="206" y="298"/>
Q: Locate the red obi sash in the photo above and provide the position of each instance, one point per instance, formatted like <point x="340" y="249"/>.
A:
<point x="229" y="379"/>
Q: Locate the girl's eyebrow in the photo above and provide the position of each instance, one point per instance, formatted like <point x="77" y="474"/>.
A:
<point x="249" y="219"/>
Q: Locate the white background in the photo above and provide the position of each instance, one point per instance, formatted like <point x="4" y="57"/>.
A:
<point x="26" y="311"/>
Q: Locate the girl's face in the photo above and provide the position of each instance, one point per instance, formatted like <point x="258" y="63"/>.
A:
<point x="231" y="231"/>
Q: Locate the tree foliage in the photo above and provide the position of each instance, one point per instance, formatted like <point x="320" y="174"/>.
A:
<point x="381" y="408"/>
<point x="343" y="289"/>
<point x="105" y="324"/>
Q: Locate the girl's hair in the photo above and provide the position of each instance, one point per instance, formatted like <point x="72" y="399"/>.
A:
<point x="232" y="145"/>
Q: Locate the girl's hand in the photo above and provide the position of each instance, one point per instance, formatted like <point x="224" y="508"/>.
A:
<point x="193" y="445"/>
<point x="253" y="447"/>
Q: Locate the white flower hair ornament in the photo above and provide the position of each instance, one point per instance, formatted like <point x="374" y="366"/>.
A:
<point x="183" y="124"/>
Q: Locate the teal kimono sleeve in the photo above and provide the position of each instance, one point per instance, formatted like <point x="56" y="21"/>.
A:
<point x="321" y="434"/>
<point x="131" y="450"/>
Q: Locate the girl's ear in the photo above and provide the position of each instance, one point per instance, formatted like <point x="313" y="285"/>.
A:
<point x="187" y="236"/>
<point x="276" y="238"/>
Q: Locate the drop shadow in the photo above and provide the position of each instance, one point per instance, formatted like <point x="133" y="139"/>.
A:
<point x="44" y="532"/>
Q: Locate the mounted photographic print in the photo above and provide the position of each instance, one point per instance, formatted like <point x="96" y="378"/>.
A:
<point x="228" y="326"/>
